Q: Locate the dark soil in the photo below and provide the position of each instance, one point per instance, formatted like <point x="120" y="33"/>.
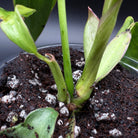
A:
<point x="113" y="103"/>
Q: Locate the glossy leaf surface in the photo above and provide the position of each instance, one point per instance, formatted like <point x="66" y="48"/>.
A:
<point x="114" y="51"/>
<point x="16" y="30"/>
<point x="90" y="32"/>
<point x="37" y="21"/>
<point x="38" y="124"/>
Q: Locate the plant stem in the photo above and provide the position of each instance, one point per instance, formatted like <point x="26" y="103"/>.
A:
<point x="65" y="46"/>
<point x="62" y="95"/>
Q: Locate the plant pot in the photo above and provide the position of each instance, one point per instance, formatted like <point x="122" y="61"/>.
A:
<point x="110" y="111"/>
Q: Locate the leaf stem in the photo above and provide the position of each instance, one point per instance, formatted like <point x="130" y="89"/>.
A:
<point x="56" y="72"/>
<point x="65" y="46"/>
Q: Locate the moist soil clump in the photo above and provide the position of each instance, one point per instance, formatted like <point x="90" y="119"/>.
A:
<point x="26" y="84"/>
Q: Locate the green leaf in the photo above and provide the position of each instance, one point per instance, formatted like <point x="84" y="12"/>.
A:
<point x="105" y="28"/>
<point x="38" y="124"/>
<point x="131" y="57"/>
<point x="128" y="25"/>
<point x="90" y="31"/>
<point x="16" y="30"/>
<point x="113" y="53"/>
<point x="25" y="11"/>
<point x="37" y="21"/>
<point x="107" y="5"/>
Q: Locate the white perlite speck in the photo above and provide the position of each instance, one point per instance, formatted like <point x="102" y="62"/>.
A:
<point x="130" y="118"/>
<point x="12" y="117"/>
<point x="21" y="106"/>
<point x="6" y="99"/>
<point x="35" y="82"/>
<point x="76" y="75"/>
<point x="105" y="91"/>
<point x="9" y="98"/>
<point x="13" y="93"/>
<point x="60" y="122"/>
<point x="50" y="99"/>
<point x="80" y="63"/>
<point x="36" y="76"/>
<point x="104" y="116"/>
<point x="95" y="102"/>
<point x="94" y="131"/>
<point x="64" y="110"/>
<point x="115" y="132"/>
<point x="12" y="82"/>
<point x="43" y="90"/>
<point x="23" y="114"/>
<point x="19" y="97"/>
<point x="91" y="137"/>
<point x="67" y="124"/>
<point x="3" y="127"/>
<point x="77" y="131"/>
<point x="60" y="137"/>
<point x="54" y="87"/>
<point x="61" y="104"/>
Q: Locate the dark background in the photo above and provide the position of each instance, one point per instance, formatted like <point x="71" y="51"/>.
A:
<point x="77" y="16"/>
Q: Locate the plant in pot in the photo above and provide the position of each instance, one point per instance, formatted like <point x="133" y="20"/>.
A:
<point x="100" y="59"/>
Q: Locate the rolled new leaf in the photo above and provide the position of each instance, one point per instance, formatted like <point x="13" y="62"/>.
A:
<point x="25" y="11"/>
<point x="14" y="27"/>
<point x="113" y="53"/>
<point x="90" y="32"/>
<point x="127" y="25"/>
<point x="39" y="123"/>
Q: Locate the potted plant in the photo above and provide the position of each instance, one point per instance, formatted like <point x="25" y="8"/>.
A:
<point x="66" y="108"/>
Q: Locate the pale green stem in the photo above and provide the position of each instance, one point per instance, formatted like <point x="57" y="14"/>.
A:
<point x="65" y="46"/>
<point x="62" y="95"/>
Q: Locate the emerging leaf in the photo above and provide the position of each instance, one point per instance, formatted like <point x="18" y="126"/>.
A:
<point x="37" y="21"/>
<point x="39" y="123"/>
<point x="128" y="25"/>
<point x="16" y="30"/>
<point x="113" y="54"/>
<point x="25" y="11"/>
<point x="90" y="32"/>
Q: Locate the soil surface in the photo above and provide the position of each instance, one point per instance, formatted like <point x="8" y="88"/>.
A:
<point x="111" y="110"/>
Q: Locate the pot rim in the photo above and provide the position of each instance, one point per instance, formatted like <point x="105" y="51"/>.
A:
<point x="78" y="46"/>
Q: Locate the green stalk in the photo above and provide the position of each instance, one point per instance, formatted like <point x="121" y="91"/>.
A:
<point x="65" y="46"/>
<point x="56" y="72"/>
